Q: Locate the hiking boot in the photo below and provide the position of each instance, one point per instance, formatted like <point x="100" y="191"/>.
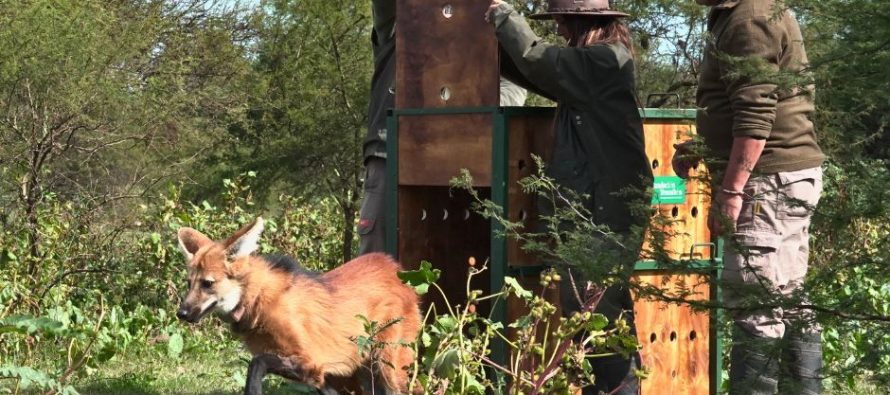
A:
<point x="754" y="364"/>
<point x="801" y="366"/>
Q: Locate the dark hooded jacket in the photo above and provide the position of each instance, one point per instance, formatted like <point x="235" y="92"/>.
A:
<point x="599" y="149"/>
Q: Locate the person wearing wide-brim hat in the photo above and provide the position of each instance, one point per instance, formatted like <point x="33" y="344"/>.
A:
<point x="598" y="150"/>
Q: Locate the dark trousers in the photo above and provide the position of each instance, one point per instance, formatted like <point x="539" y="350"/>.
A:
<point x="614" y="371"/>
<point x="372" y="216"/>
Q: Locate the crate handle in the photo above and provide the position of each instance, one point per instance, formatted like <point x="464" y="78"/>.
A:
<point x="651" y="95"/>
<point x="695" y="246"/>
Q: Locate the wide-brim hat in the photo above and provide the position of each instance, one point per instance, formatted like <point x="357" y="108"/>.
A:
<point x="592" y="8"/>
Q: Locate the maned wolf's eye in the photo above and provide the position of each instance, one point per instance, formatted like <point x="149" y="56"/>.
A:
<point x="206" y="284"/>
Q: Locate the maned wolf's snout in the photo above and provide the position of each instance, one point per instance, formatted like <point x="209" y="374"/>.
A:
<point x="188" y="313"/>
<point x="183" y="313"/>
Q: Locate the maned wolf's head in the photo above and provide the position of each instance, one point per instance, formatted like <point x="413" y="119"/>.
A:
<point x="211" y="271"/>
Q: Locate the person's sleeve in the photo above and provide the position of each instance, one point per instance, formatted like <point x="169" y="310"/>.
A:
<point x="749" y="55"/>
<point x="564" y="73"/>
<point x="510" y="72"/>
<point x="384" y="17"/>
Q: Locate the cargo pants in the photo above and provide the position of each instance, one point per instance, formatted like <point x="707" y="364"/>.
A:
<point x="765" y="265"/>
<point x="371" y="227"/>
<point x="766" y="258"/>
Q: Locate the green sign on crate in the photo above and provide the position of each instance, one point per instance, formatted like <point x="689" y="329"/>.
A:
<point x="669" y="190"/>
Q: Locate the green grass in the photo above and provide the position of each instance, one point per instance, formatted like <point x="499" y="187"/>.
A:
<point x="221" y="372"/>
<point x="193" y="373"/>
<point x="861" y="387"/>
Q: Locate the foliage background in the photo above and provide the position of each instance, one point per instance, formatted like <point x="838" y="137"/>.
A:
<point x="122" y="120"/>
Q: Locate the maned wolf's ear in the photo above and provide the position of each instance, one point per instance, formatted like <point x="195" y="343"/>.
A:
<point x="190" y="241"/>
<point x="245" y="240"/>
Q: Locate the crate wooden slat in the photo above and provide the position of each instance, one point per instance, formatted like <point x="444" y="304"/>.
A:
<point x="675" y="339"/>
<point x="434" y="148"/>
<point x="527" y="135"/>
<point x="434" y="52"/>
<point x="691" y="226"/>
<point x="436" y="225"/>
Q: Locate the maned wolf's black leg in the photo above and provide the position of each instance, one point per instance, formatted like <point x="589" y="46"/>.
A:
<point x="256" y="370"/>
<point x="262" y="364"/>
<point x="328" y="390"/>
<point x="372" y="384"/>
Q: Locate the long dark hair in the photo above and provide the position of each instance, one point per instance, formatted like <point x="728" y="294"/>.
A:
<point x="586" y="31"/>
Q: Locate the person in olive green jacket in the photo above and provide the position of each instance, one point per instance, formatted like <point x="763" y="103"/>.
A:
<point x="598" y="149"/>
<point x="767" y="182"/>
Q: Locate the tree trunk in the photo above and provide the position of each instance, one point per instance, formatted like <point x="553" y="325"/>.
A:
<point x="30" y="199"/>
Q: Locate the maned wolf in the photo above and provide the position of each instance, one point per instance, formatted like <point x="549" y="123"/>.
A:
<point x="298" y="324"/>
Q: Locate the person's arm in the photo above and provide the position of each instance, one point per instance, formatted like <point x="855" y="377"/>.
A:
<point x="749" y="60"/>
<point x="744" y="155"/>
<point x="384" y="17"/>
<point x="512" y="73"/>
<point x="564" y="73"/>
<point x="748" y="57"/>
<point x="728" y="200"/>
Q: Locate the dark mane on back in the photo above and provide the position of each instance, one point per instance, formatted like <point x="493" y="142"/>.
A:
<point x="287" y="264"/>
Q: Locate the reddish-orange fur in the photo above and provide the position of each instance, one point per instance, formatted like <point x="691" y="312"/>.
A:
<point x="311" y="320"/>
<point x="314" y="322"/>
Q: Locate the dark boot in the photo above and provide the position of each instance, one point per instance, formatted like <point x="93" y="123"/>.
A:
<point x="368" y="389"/>
<point x="614" y="375"/>
<point x="754" y="364"/>
<point x="801" y="367"/>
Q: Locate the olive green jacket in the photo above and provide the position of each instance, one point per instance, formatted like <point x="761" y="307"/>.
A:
<point x="753" y="46"/>
<point x="599" y="148"/>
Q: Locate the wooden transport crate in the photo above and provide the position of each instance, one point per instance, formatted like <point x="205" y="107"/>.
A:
<point x="447" y="119"/>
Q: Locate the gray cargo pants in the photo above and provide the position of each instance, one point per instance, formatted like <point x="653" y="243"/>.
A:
<point x="765" y="264"/>
<point x="372" y="215"/>
<point x="766" y="258"/>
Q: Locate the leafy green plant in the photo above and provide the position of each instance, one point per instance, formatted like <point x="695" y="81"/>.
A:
<point x="29" y="379"/>
<point x="370" y="348"/>
<point x="65" y="326"/>
<point x="546" y="354"/>
<point x="68" y="330"/>
<point x="850" y="280"/>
